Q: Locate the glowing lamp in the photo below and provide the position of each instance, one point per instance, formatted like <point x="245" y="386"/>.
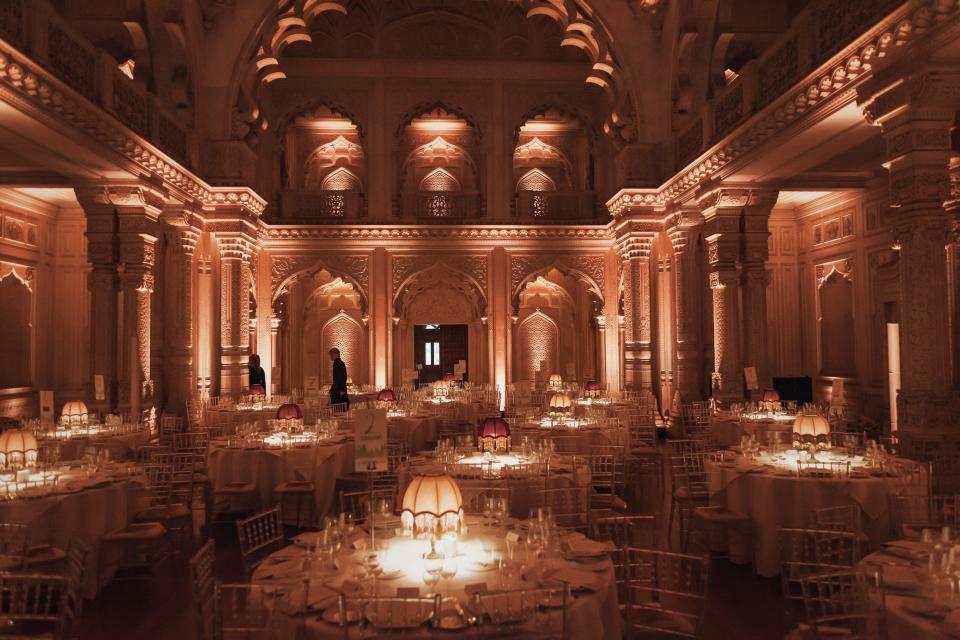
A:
<point x="592" y="389"/>
<point x="815" y="425"/>
<point x="555" y="381"/>
<point x="432" y="504"/>
<point x="257" y="390"/>
<point x="440" y="389"/>
<point x="74" y="414"/>
<point x="18" y="449"/>
<point x="494" y="435"/>
<point x="290" y="416"/>
<point x="386" y="395"/>
<point x="449" y="377"/>
<point x="771" y="395"/>
<point x="559" y="402"/>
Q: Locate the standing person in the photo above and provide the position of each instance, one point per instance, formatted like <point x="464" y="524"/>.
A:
<point x="338" y="389"/>
<point x="257" y="375"/>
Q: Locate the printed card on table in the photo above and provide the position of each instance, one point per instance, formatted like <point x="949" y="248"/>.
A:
<point x="370" y="439"/>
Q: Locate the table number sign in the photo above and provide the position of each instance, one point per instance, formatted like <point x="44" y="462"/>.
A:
<point x="370" y="437"/>
<point x="46" y="406"/>
<point x="750" y="373"/>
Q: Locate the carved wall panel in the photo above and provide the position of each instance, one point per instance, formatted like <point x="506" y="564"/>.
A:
<point x="538" y="337"/>
<point x="344" y="333"/>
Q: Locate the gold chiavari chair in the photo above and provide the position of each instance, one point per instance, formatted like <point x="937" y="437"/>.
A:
<point x="14" y="539"/>
<point x="259" y="535"/>
<point x="664" y="593"/>
<point x="640" y="531"/>
<point x="847" y="518"/>
<point x="243" y="613"/>
<point x="32" y="602"/>
<point x="546" y="609"/>
<point x="689" y="484"/>
<point x="570" y="506"/>
<point x="837" y="604"/>
<point x="296" y="494"/>
<point x="805" y="552"/>
<point x="204" y="583"/>
<point x="911" y="514"/>
<point x="824" y="468"/>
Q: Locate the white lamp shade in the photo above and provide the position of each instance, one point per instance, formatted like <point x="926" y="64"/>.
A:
<point x="431" y="502"/>
<point x="18" y="449"/>
<point x="559" y="401"/>
<point x="815" y="425"/>
<point x="74" y="413"/>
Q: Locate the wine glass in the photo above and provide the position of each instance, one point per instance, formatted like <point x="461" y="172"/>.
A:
<point x="487" y="510"/>
<point x="430" y="579"/>
<point x="500" y="509"/>
<point x="448" y="570"/>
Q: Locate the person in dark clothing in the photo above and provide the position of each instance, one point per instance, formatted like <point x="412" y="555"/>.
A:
<point x="257" y="375"/>
<point x="338" y="389"/>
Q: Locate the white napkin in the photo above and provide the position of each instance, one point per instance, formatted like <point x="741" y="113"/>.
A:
<point x="577" y="578"/>
<point x="580" y="545"/>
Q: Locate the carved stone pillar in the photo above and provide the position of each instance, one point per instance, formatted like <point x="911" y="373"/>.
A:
<point x="721" y="211"/>
<point x="687" y="347"/>
<point x="234" y="315"/>
<point x="103" y="282"/>
<point x="275" y="353"/>
<point x="178" y="294"/>
<point x="138" y="255"/>
<point x="638" y="365"/>
<point x="915" y="110"/>
<point x="756" y="216"/>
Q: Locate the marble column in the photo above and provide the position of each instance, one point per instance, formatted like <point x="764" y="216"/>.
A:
<point x="178" y="305"/>
<point x="687" y="348"/>
<point x="915" y="109"/>
<point x="754" y="254"/>
<point x="103" y="282"/>
<point x="234" y="315"/>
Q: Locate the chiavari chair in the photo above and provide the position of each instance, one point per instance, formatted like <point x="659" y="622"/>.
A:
<point x="363" y="504"/>
<point x="545" y="608"/>
<point x="911" y="514"/>
<point x="296" y="494"/>
<point x="824" y="468"/>
<point x="805" y="552"/>
<point x="689" y="484"/>
<point x="626" y="531"/>
<point x="570" y="506"/>
<point x="837" y="604"/>
<point x="32" y="602"/>
<point x="848" y="439"/>
<point x="243" y="613"/>
<point x="14" y="539"/>
<point x="204" y="583"/>
<point x="259" y="535"/>
<point x="847" y="518"/>
<point x="664" y="593"/>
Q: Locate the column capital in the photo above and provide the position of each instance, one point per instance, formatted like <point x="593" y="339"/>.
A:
<point x="635" y="244"/>
<point x="894" y="95"/>
<point x="725" y="200"/>
<point x="724" y="278"/>
<point x="121" y="196"/>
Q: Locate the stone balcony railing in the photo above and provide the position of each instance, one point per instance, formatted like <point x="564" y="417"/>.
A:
<point x="34" y="28"/>
<point x="322" y="207"/>
<point x="558" y="207"/>
<point x="441" y="207"/>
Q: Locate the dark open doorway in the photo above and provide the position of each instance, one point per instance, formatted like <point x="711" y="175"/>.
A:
<point x="437" y="348"/>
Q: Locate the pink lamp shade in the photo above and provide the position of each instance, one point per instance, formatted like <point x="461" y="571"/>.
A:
<point x="771" y="395"/>
<point x="449" y="377"/>
<point x="289" y="411"/>
<point x="807" y="425"/>
<point x="494" y="435"/>
<point x="18" y="449"/>
<point x="257" y="390"/>
<point x="432" y="503"/>
<point x="593" y="385"/>
<point x="386" y="395"/>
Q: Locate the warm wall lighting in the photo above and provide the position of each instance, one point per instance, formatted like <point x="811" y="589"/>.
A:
<point x="432" y="504"/>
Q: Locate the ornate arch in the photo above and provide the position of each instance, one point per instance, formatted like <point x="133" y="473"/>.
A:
<point x="455" y="276"/>
<point x="429" y="106"/>
<point x="440" y="180"/>
<point x="525" y="269"/>
<point x="311" y="104"/>
<point x="346" y="334"/>
<point x="538" y="335"/>
<point x="536" y="180"/>
<point x="352" y="269"/>
<point x="341" y="179"/>
<point x="586" y="122"/>
<point x="25" y="278"/>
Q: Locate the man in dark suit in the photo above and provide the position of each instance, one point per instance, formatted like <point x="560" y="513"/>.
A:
<point x="338" y="389"/>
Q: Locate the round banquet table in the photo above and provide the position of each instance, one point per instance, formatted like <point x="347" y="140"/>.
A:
<point x="574" y="440"/>
<point x="728" y="431"/>
<point x="774" y="498"/>
<point x="82" y="507"/>
<point x="562" y="474"/>
<point x="416" y="431"/>
<point x="227" y="418"/>
<point x="269" y="467"/>
<point x="594" y="613"/>
<point x="118" y="444"/>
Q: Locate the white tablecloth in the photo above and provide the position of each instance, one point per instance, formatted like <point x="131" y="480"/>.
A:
<point x="119" y="445"/>
<point x="271" y="467"/>
<point x="76" y="512"/>
<point x="591" y="615"/>
<point x="416" y="431"/>
<point x="561" y="475"/>
<point x="727" y="432"/>
<point x="775" y="501"/>
<point x="577" y="440"/>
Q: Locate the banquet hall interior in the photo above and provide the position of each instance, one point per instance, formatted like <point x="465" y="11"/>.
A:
<point x="567" y="319"/>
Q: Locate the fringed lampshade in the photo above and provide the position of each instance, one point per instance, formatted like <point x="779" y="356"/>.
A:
<point x="811" y="425"/>
<point x="559" y="402"/>
<point x="257" y="390"/>
<point x="18" y="449"/>
<point x="290" y="416"/>
<point x="494" y="435"/>
<point x="592" y="389"/>
<point x="432" y="504"/>
<point x="449" y="378"/>
<point x="386" y="395"/>
<point x="440" y="389"/>
<point x="74" y="414"/>
<point x="771" y="395"/>
<point x="555" y="381"/>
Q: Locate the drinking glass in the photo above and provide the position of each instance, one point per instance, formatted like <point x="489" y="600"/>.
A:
<point x="430" y="579"/>
<point x="448" y="570"/>
<point x="487" y="510"/>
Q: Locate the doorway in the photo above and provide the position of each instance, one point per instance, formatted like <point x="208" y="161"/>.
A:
<point x="437" y="348"/>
